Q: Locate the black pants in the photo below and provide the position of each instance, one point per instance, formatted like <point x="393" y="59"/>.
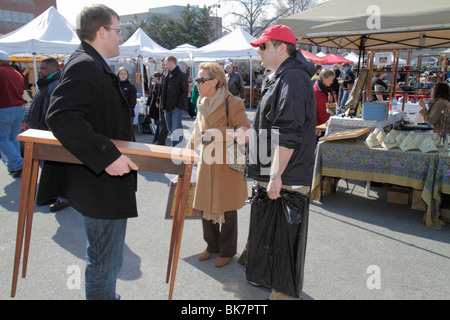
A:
<point x="221" y="238"/>
<point x="163" y="132"/>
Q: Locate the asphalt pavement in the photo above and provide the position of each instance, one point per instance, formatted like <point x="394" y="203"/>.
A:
<point x="358" y="247"/>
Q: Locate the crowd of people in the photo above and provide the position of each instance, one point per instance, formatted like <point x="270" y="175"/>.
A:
<point x="85" y="105"/>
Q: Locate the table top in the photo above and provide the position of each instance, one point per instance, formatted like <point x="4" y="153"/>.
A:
<point x="339" y="123"/>
<point x="126" y="147"/>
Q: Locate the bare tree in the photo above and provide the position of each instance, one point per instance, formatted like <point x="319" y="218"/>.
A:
<point x="289" y="7"/>
<point x="251" y="15"/>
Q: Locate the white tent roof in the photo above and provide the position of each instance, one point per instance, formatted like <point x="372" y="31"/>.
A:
<point x="233" y="45"/>
<point x="184" y="51"/>
<point x="141" y="44"/>
<point x="352" y="56"/>
<point x="49" y="33"/>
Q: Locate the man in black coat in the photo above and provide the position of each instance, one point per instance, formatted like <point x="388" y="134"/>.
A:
<point x="174" y="98"/>
<point x="284" y="127"/>
<point x="87" y="110"/>
<point x="52" y="180"/>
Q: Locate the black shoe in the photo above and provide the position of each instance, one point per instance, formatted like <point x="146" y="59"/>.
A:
<point x="17" y="173"/>
<point x="58" y="205"/>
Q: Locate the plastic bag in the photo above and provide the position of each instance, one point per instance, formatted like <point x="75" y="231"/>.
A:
<point x="277" y="240"/>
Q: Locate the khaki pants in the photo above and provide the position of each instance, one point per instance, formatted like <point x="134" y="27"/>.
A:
<point x="275" y="295"/>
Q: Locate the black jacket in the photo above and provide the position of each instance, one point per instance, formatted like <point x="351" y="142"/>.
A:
<point x="236" y="84"/>
<point x="87" y="110"/>
<point x="348" y="77"/>
<point x="175" y="90"/>
<point x="153" y="100"/>
<point x="41" y="101"/>
<point x="129" y="92"/>
<point x="288" y="107"/>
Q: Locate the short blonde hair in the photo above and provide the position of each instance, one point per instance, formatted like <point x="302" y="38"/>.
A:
<point x="216" y="72"/>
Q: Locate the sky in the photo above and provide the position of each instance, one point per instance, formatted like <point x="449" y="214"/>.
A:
<point x="71" y="8"/>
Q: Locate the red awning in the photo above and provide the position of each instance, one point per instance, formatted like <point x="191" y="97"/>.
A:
<point x="332" y="59"/>
<point x="313" y="58"/>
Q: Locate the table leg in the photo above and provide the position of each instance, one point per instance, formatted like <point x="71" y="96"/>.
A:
<point x="30" y="210"/>
<point x="176" y="198"/>
<point x="367" y="188"/>
<point x="23" y="208"/>
<point x="184" y="192"/>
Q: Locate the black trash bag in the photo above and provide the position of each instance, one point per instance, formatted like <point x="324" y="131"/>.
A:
<point x="276" y="244"/>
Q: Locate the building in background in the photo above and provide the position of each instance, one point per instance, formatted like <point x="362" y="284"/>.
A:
<point x="169" y="12"/>
<point x="16" y="13"/>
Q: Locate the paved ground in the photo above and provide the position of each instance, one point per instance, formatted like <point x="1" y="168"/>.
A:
<point x="353" y="242"/>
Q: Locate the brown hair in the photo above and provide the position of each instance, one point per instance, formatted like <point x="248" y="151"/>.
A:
<point x="172" y="58"/>
<point x="123" y="68"/>
<point x="92" y="18"/>
<point x="441" y="90"/>
<point x="326" y="73"/>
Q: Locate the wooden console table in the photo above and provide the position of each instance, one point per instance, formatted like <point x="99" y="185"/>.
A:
<point x="42" y="145"/>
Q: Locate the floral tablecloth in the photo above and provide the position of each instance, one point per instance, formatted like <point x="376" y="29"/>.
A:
<point x="338" y="123"/>
<point x="352" y="159"/>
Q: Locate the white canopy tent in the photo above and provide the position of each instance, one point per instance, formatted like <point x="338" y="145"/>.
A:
<point x="140" y="45"/>
<point x="232" y="45"/>
<point x="235" y="44"/>
<point x="48" y="34"/>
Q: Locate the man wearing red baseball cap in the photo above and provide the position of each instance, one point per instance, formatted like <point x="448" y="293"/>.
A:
<point x="287" y="112"/>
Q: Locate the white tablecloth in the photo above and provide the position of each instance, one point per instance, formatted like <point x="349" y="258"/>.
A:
<point x="338" y="123"/>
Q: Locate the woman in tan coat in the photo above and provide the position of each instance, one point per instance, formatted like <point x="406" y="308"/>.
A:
<point x="220" y="190"/>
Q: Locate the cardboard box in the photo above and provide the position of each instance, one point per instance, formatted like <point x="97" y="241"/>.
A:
<point x="398" y="194"/>
<point x="417" y="202"/>
<point x="191" y="213"/>
<point x="375" y="110"/>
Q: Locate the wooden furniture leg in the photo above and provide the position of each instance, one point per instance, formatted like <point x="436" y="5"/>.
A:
<point x="180" y="216"/>
<point x="174" y="224"/>
<point x="30" y="210"/>
<point x="23" y="208"/>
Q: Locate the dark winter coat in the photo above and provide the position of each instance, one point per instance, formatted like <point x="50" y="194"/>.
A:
<point x="41" y="101"/>
<point x="129" y="92"/>
<point x="87" y="110"/>
<point x="175" y="90"/>
<point x="287" y="105"/>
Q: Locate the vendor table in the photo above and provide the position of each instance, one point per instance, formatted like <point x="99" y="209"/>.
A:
<point x="339" y="123"/>
<point x="42" y="145"/>
<point x="352" y="159"/>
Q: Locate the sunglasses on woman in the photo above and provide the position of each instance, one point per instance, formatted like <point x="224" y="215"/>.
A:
<point x="202" y="80"/>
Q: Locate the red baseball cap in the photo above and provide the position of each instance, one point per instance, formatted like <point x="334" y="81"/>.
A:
<point x="277" y="32"/>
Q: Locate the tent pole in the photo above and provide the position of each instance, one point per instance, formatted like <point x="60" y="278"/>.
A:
<point x="251" y="81"/>
<point x="141" y="62"/>
<point x="35" y="73"/>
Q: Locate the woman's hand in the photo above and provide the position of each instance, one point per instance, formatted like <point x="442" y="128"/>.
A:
<point x="241" y="135"/>
<point x="422" y="103"/>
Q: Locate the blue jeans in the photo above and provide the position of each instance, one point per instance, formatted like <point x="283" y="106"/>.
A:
<point x="10" y="123"/>
<point x="173" y="121"/>
<point x="105" y="242"/>
<point x="343" y="100"/>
